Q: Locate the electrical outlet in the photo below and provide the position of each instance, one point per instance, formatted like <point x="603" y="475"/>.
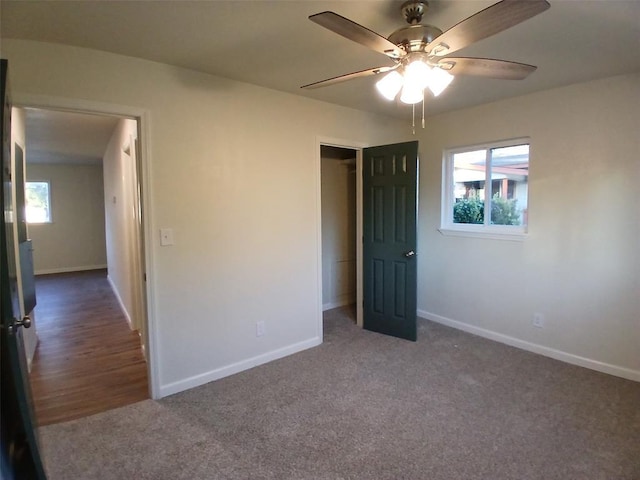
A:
<point x="538" y="320"/>
<point x="260" y="328"/>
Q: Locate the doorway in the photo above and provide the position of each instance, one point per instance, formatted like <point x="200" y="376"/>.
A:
<point x="385" y="250"/>
<point x="338" y="185"/>
<point x="340" y="192"/>
<point x="122" y="258"/>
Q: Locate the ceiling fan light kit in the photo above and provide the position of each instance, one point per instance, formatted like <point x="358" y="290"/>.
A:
<point x="419" y="50"/>
<point x="417" y="76"/>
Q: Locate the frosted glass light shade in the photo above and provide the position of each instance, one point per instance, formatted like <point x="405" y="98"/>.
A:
<point x="439" y="79"/>
<point x="390" y="85"/>
<point x="417" y="73"/>
<point x="411" y="93"/>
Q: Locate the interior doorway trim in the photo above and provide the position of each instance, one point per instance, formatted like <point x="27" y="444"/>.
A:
<point x="351" y="145"/>
<point x="142" y="116"/>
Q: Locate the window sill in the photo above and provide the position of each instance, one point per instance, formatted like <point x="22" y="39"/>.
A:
<point x="489" y="233"/>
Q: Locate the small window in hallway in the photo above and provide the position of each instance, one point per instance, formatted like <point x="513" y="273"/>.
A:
<point x="38" y="202"/>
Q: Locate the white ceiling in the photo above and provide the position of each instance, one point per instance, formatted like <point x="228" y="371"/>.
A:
<point x="273" y="44"/>
<point x="63" y="137"/>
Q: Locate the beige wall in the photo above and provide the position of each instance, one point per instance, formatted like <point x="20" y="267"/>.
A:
<point x="580" y="264"/>
<point x="338" y="232"/>
<point x="234" y="170"/>
<point x="75" y="240"/>
<point x="120" y="220"/>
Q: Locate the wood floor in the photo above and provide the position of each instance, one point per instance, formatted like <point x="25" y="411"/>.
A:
<point x="87" y="360"/>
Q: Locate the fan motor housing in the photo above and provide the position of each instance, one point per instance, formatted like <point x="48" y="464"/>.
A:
<point x="413" y="10"/>
<point x="414" y="38"/>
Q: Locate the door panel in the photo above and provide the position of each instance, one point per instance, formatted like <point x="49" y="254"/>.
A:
<point x="19" y="453"/>
<point x="389" y="233"/>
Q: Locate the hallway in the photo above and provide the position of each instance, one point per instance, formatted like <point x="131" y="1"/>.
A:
<point x="87" y="360"/>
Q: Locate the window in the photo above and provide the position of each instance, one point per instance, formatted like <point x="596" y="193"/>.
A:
<point x="485" y="190"/>
<point x="38" y="202"/>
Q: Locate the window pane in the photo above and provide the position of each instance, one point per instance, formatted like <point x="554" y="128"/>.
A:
<point x="509" y="185"/>
<point x="38" y="209"/>
<point x="469" y="175"/>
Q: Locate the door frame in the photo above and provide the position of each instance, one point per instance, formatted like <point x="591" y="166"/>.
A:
<point x="29" y="336"/>
<point x="134" y="246"/>
<point x="358" y="147"/>
<point x="143" y="118"/>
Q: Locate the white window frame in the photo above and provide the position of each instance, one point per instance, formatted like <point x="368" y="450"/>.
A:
<point x="497" y="232"/>
<point x="50" y="220"/>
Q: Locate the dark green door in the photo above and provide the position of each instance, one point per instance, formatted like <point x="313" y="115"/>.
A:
<point x="19" y="453"/>
<point x="389" y="230"/>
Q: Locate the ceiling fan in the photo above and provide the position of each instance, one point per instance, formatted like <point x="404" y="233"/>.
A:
<point x="420" y="52"/>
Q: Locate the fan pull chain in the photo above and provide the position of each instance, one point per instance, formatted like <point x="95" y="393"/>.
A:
<point x="413" y="123"/>
<point x="423" y="109"/>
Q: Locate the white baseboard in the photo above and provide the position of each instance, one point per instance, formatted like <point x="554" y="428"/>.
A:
<point x="122" y="307"/>
<point x="238" y="367"/>
<point x="81" y="268"/>
<point x="338" y="303"/>
<point x="535" y="348"/>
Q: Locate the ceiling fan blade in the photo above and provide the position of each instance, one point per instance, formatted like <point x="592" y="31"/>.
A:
<point x="486" y="67"/>
<point x="494" y="19"/>
<point x="349" y="76"/>
<point x="353" y="31"/>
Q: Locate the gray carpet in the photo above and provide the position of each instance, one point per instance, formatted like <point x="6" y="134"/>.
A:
<point x="367" y="406"/>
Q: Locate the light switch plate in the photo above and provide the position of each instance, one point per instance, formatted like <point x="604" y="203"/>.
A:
<point x="166" y="237"/>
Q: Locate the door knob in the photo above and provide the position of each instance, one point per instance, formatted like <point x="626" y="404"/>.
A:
<point x="410" y="254"/>
<point x="13" y="326"/>
<point x="25" y="322"/>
